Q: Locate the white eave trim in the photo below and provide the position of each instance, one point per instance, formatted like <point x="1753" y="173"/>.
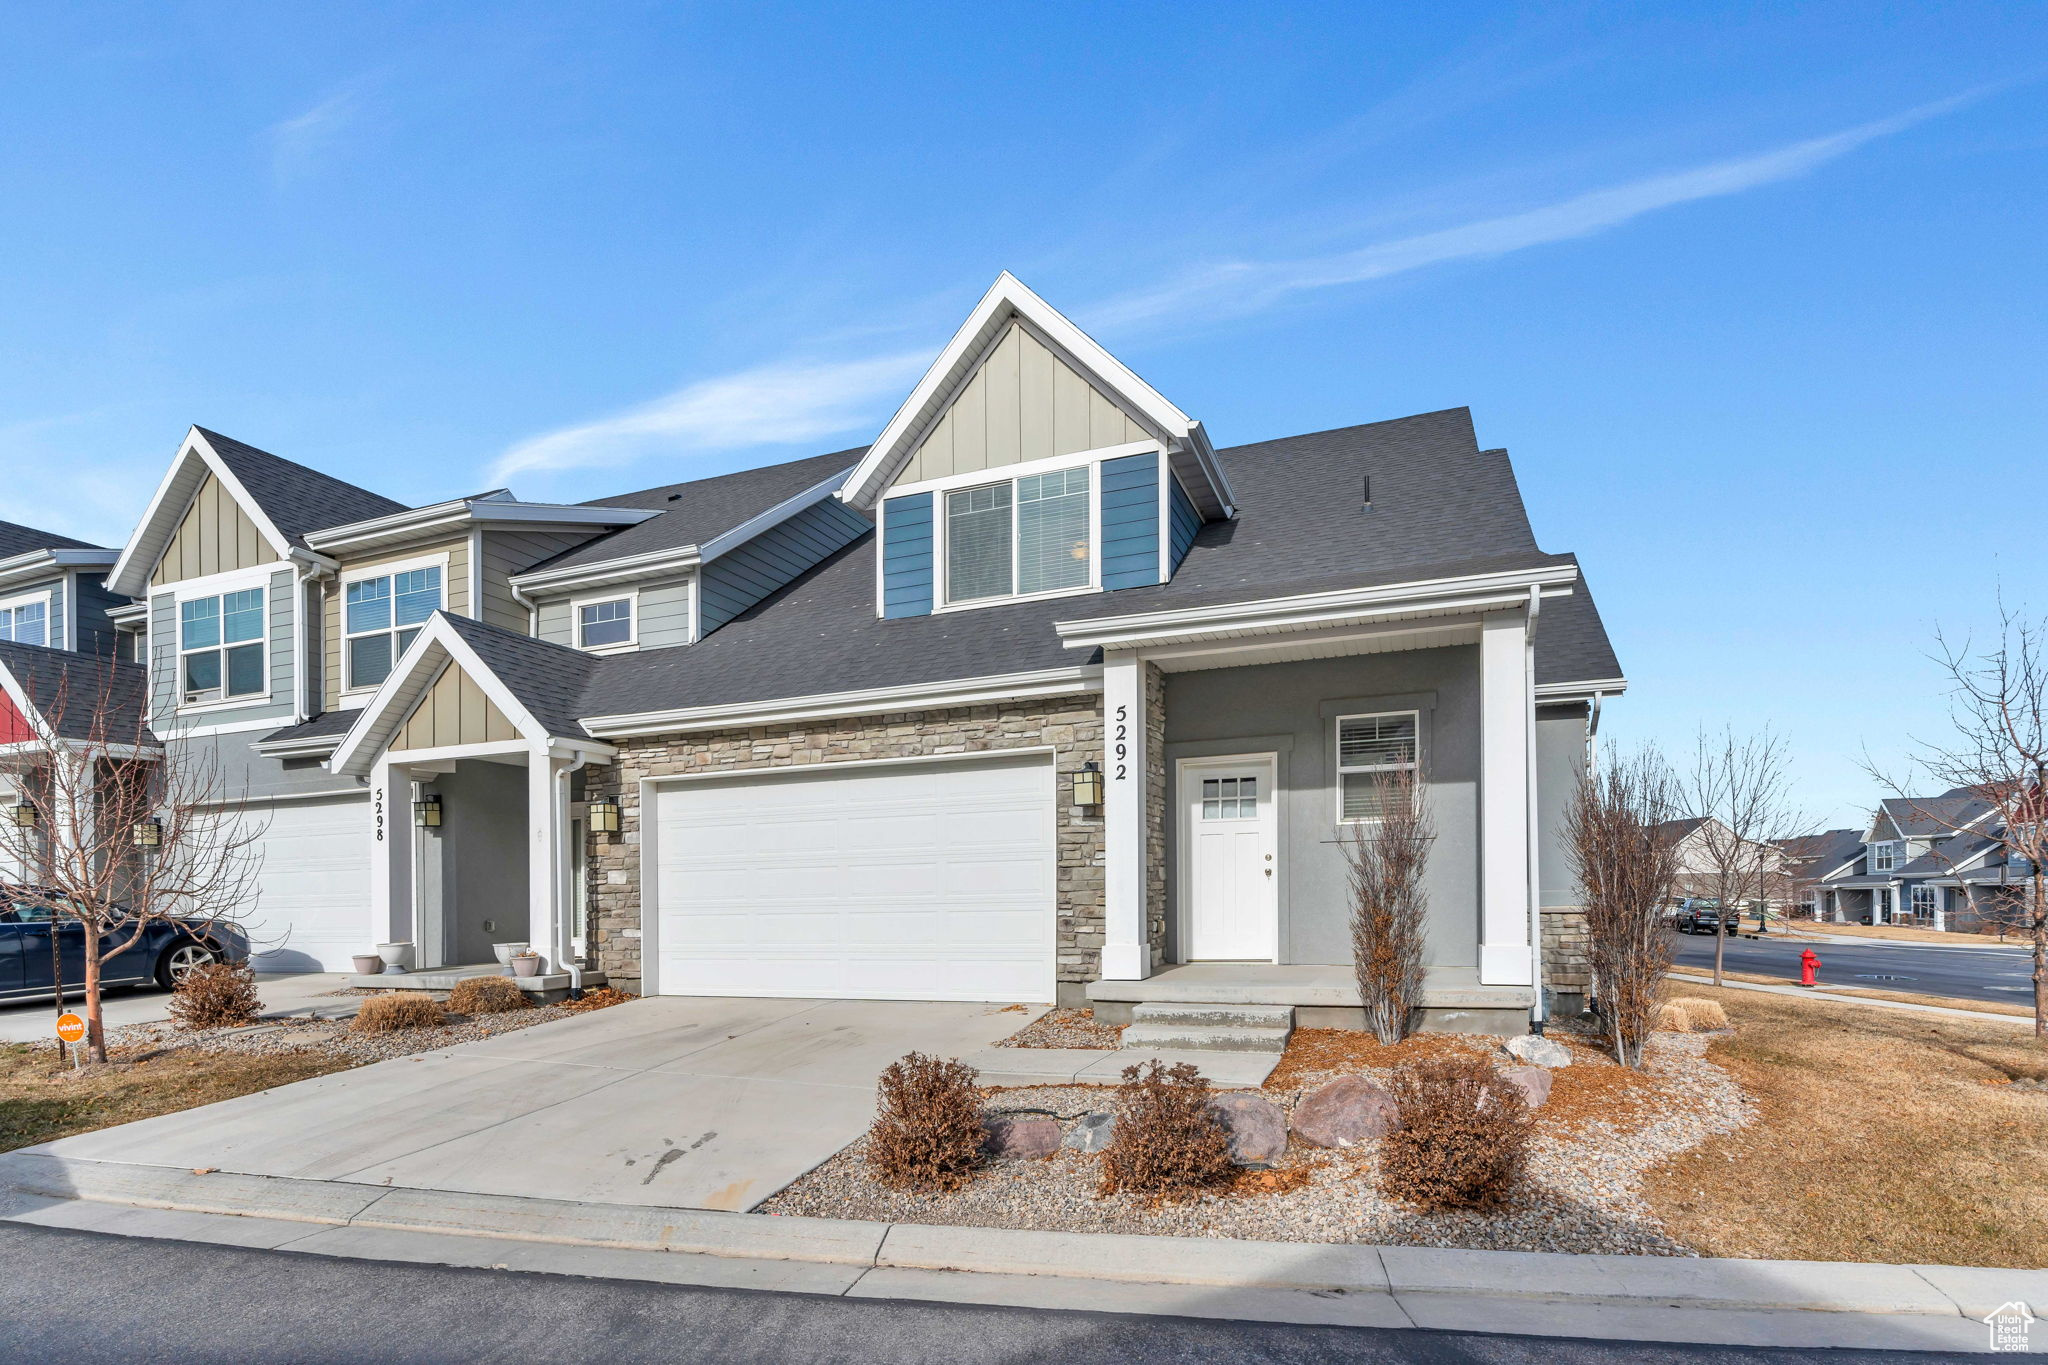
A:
<point x="24" y="568"/>
<point x="318" y="746"/>
<point x="462" y="512"/>
<point x="1434" y="597"/>
<point x="1581" y="691"/>
<point x="149" y="539"/>
<point x="650" y="564"/>
<point x="1006" y="297"/>
<point x="930" y="696"/>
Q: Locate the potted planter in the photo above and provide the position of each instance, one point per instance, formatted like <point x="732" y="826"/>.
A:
<point x="368" y="964"/>
<point x="526" y="963"/>
<point x="397" y="957"/>
<point x="507" y="951"/>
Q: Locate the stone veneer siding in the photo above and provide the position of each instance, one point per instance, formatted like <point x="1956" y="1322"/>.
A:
<point x="1071" y="726"/>
<point x="1567" y="967"/>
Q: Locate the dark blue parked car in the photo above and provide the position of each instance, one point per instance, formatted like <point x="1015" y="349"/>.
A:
<point x="168" y="948"/>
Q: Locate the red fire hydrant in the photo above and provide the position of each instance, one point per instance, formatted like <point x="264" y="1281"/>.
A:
<point x="1809" y="963"/>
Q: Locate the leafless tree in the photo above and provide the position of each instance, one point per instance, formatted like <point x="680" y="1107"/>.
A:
<point x="1998" y="751"/>
<point x="1626" y="865"/>
<point x="1387" y="857"/>
<point x="1741" y="786"/>
<point x="94" y="773"/>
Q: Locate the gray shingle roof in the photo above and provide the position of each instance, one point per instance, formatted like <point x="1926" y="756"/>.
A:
<point x="329" y="725"/>
<point x="1917" y="817"/>
<point x="1948" y="855"/>
<point x="297" y="500"/>
<point x="548" y="679"/>
<point x="16" y="539"/>
<point x="82" y="693"/>
<point x="702" y="509"/>
<point x="1441" y="508"/>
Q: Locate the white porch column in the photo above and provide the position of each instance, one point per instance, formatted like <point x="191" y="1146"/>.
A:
<point x="541" y="878"/>
<point x="392" y="913"/>
<point x="1505" y="699"/>
<point x="1126" y="955"/>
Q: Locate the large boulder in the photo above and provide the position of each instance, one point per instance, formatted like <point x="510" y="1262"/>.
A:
<point x="1537" y="1050"/>
<point x="1021" y="1138"/>
<point x="1345" y="1112"/>
<point x="1532" y="1081"/>
<point x="1091" y="1133"/>
<point x="1257" y="1128"/>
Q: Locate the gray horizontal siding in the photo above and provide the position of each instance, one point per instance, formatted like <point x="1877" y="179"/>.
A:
<point x="907" y="555"/>
<point x="1130" y="522"/>
<point x="555" y="625"/>
<point x="664" y="615"/>
<point x="740" y="578"/>
<point x="96" y="634"/>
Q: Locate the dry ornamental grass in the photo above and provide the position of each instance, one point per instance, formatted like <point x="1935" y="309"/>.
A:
<point x="398" y="1010"/>
<point x="219" y="995"/>
<point x="487" y="995"/>
<point x="1167" y="1144"/>
<point x="928" y="1134"/>
<point x="1701" y="1015"/>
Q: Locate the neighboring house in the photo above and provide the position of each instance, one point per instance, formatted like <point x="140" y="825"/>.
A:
<point x="1932" y="861"/>
<point x="1812" y="859"/>
<point x="1038" y="697"/>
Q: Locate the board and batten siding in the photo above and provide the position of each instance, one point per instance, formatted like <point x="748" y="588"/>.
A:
<point x="454" y="597"/>
<point x="907" y="555"/>
<point x="505" y="553"/>
<point x="1183" y="522"/>
<point x="1130" y="522"/>
<point x="743" y="576"/>
<point x="215" y="536"/>
<point x="454" y="711"/>
<point x="1023" y="403"/>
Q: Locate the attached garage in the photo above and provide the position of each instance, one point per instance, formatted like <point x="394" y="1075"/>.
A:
<point x="886" y="881"/>
<point x="311" y="910"/>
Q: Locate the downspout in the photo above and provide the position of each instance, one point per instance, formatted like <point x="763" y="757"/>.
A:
<point x="533" y="617"/>
<point x="309" y="568"/>
<point x="565" y="948"/>
<point x="1539" y="1009"/>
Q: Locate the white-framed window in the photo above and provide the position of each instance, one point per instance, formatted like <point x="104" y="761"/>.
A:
<point x="1024" y="537"/>
<point x="223" y="647"/>
<point x="1926" y="900"/>
<point x="1375" y="757"/>
<point x="1883" y="857"/>
<point x="381" y="613"/>
<point x="26" y="620"/>
<point x="606" y="622"/>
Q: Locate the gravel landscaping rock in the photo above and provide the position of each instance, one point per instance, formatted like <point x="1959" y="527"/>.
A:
<point x="1091" y="1133"/>
<point x="1537" y="1050"/>
<point x="1345" y="1112"/>
<point x="1257" y="1128"/>
<point x="1599" y="1133"/>
<point x="1066" y="1028"/>
<point x="1022" y="1139"/>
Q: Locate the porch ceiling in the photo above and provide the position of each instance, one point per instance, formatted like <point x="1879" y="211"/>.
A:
<point x="1238" y="649"/>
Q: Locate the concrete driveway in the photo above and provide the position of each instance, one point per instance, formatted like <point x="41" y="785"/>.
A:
<point x="677" y="1102"/>
<point x="281" y="993"/>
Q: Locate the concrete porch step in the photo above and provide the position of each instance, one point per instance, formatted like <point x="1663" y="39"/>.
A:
<point x="445" y="978"/>
<point x="1214" y="1016"/>
<point x="1190" y="1027"/>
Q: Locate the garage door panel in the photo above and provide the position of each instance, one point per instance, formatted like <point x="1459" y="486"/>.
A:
<point x="921" y="882"/>
<point x="311" y="909"/>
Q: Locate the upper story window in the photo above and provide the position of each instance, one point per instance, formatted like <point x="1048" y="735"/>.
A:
<point x="221" y="646"/>
<point x="603" y="623"/>
<point x="1375" y="760"/>
<point x="1021" y="537"/>
<point x="1883" y="857"/>
<point x="382" y="615"/>
<point x="26" y="621"/>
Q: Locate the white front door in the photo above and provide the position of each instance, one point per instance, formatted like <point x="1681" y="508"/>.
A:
<point x="1230" y="831"/>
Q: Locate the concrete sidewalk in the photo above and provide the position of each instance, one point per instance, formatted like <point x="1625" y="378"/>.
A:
<point x="282" y="993"/>
<point x="1815" y="993"/>
<point x="1760" y="1303"/>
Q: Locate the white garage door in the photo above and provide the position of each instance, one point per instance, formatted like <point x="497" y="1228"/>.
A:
<point x="912" y="882"/>
<point x="311" y="911"/>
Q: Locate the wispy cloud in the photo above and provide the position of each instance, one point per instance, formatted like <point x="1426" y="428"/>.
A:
<point x="768" y="405"/>
<point x="1240" y="287"/>
<point x="297" y="143"/>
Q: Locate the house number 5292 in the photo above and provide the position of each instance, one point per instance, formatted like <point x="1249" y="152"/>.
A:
<point x="1121" y="748"/>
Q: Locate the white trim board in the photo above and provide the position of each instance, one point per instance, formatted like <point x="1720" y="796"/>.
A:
<point x="870" y="701"/>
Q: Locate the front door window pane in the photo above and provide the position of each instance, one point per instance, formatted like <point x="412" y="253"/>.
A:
<point x="978" y="543"/>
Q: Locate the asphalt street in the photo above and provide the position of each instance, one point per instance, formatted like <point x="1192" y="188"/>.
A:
<point x="83" y="1297"/>
<point x="2001" y="974"/>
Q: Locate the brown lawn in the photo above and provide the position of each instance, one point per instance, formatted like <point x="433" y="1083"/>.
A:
<point x="1947" y="1002"/>
<point x="1882" y="1136"/>
<point x="1898" y="933"/>
<point x="42" y="1099"/>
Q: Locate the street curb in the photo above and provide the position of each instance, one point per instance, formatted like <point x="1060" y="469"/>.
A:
<point x="1821" y="993"/>
<point x="1547" y="1277"/>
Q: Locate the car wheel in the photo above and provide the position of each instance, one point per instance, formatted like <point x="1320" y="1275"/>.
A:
<point x="180" y="959"/>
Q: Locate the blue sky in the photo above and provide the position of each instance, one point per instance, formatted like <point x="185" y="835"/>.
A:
<point x="1753" y="293"/>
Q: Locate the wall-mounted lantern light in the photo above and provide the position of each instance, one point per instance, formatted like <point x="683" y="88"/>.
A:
<point x="1088" y="785"/>
<point x="426" y="812"/>
<point x="604" y="816"/>
<point x="26" y="816"/>
<point x="147" y="833"/>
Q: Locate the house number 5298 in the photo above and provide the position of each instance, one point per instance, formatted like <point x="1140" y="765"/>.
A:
<point x="1121" y="748"/>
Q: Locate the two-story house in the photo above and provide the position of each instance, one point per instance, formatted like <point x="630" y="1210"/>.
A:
<point x="1932" y="861"/>
<point x="1039" y="696"/>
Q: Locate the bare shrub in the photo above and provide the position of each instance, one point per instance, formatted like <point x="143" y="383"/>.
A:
<point x="218" y="995"/>
<point x="603" y="998"/>
<point x="398" y="1010"/>
<point x="487" y="995"/>
<point x="1625" y="865"/>
<point x="1463" y="1139"/>
<point x="1167" y="1143"/>
<point x="1705" y="1015"/>
<point x="1387" y="857"/>
<point x="928" y="1134"/>
<point x="1673" y="1018"/>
